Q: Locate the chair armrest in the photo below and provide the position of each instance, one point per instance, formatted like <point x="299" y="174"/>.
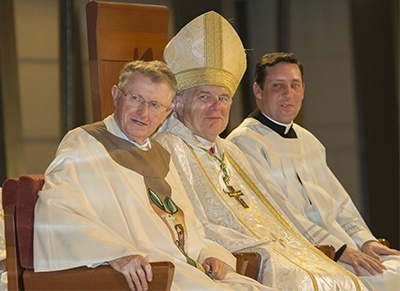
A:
<point x="248" y="264"/>
<point x="100" y="278"/>
<point x="384" y="242"/>
<point x="328" y="250"/>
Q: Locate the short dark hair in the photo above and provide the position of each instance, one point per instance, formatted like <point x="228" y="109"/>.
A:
<point x="270" y="60"/>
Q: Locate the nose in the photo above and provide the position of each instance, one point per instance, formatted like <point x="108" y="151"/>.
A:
<point x="216" y="104"/>
<point x="143" y="109"/>
<point x="288" y="92"/>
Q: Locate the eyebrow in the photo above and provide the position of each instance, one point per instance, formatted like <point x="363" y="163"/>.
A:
<point x="208" y="92"/>
<point x="284" y="80"/>
<point x="203" y="92"/>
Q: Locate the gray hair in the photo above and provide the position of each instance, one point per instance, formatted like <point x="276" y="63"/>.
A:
<point x="157" y="71"/>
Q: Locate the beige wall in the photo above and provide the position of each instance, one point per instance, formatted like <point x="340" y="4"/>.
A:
<point x="36" y="24"/>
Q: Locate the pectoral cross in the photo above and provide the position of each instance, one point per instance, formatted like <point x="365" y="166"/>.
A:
<point x="236" y="194"/>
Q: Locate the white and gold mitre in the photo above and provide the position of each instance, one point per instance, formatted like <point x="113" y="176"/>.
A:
<point x="206" y="51"/>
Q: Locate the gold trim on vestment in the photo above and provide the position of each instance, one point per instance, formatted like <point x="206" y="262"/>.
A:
<point x="314" y="281"/>
<point x="250" y="183"/>
<point x="215" y="188"/>
<point x="312" y="277"/>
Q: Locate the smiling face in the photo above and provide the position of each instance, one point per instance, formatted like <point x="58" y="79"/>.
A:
<point x="204" y="110"/>
<point x="282" y="93"/>
<point x="138" y="123"/>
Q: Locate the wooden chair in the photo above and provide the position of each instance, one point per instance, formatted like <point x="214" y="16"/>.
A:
<point x="328" y="250"/>
<point x="19" y="199"/>
<point x="248" y="264"/>
<point x="119" y="33"/>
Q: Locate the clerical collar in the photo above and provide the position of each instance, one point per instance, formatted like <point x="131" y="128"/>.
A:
<point x="118" y="132"/>
<point x="144" y="147"/>
<point x="284" y="130"/>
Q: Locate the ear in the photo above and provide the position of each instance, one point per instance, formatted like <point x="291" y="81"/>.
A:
<point x="115" y="92"/>
<point x="257" y="91"/>
<point x="170" y="110"/>
<point x="178" y="105"/>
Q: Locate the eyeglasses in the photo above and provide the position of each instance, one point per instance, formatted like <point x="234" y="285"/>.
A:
<point x="155" y="108"/>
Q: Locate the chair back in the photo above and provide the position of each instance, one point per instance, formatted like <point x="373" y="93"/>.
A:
<point x="119" y="33"/>
<point x="23" y="193"/>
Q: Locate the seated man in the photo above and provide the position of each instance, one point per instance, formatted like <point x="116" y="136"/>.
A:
<point x="113" y="195"/>
<point x="283" y="153"/>
<point x="208" y="59"/>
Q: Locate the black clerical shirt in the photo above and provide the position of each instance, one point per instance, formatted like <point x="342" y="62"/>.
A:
<point x="257" y="114"/>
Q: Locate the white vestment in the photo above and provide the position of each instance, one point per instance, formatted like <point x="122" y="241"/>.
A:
<point x="289" y="261"/>
<point x="94" y="208"/>
<point x="308" y="192"/>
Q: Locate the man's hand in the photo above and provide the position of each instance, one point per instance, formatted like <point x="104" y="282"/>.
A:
<point x="136" y="269"/>
<point x="215" y="267"/>
<point x="359" y="259"/>
<point x="374" y="249"/>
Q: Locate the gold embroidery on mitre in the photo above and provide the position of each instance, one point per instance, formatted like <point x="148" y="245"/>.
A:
<point x="205" y="45"/>
<point x="193" y="77"/>
<point x="213" y="40"/>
